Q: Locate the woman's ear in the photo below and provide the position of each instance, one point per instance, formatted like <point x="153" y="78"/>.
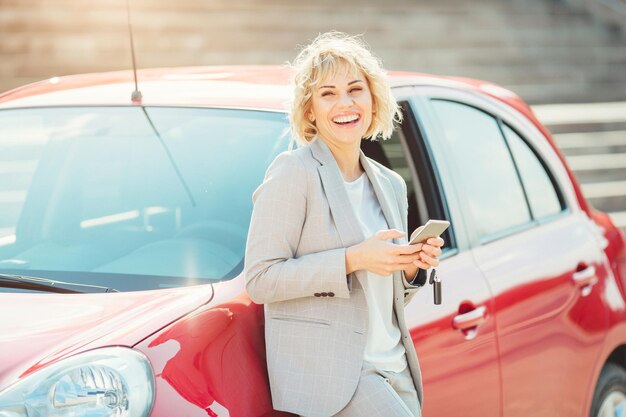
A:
<point x="311" y="116"/>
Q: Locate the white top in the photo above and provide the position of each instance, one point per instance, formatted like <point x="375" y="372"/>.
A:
<point x="383" y="347"/>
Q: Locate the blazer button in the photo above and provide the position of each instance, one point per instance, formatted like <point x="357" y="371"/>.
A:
<point x="331" y="294"/>
<point x="324" y="294"/>
<point x="317" y="294"/>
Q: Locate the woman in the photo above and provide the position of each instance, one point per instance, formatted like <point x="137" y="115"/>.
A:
<point x="318" y="253"/>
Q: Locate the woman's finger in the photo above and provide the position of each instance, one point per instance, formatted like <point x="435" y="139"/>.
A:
<point x="433" y="251"/>
<point x="400" y="266"/>
<point x="435" y="241"/>
<point x="408" y="249"/>
<point x="421" y="264"/>
<point x="429" y="260"/>
<point x="407" y="259"/>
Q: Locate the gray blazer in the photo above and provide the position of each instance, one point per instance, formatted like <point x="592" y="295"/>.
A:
<point x="316" y="316"/>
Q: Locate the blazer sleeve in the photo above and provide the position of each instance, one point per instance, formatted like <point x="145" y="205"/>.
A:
<point x="412" y="285"/>
<point x="272" y="272"/>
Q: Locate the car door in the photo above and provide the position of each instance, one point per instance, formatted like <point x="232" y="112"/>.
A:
<point x="455" y="341"/>
<point x="539" y="252"/>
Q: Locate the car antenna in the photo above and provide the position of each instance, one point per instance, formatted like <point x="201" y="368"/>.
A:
<point x="136" y="95"/>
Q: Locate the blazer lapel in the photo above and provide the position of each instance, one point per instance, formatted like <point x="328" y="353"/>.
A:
<point x="347" y="225"/>
<point x="390" y="207"/>
<point x="385" y="194"/>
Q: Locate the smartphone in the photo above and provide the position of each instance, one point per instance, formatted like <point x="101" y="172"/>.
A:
<point x="432" y="228"/>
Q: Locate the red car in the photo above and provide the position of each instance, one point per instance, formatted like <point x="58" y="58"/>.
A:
<point x="123" y="226"/>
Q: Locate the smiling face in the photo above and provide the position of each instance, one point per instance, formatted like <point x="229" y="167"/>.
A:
<point x="341" y="107"/>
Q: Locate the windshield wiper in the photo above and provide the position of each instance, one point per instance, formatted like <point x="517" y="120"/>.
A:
<point x="49" y="285"/>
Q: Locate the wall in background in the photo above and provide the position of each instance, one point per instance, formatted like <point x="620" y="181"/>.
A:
<point x="547" y="51"/>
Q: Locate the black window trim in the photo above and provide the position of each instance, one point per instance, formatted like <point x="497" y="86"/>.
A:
<point x="544" y="165"/>
<point x="423" y="165"/>
<point x="427" y="175"/>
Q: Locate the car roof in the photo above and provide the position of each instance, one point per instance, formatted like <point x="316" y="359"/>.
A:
<point x="264" y="87"/>
<point x="245" y="86"/>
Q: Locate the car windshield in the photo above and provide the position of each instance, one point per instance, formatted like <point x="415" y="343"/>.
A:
<point x="116" y="197"/>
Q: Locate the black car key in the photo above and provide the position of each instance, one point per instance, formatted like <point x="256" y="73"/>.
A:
<point x="436" y="282"/>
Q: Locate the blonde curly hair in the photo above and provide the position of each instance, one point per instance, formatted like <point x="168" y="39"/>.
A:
<point x="328" y="53"/>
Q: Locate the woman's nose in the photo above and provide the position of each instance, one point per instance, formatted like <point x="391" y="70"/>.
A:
<point x="346" y="100"/>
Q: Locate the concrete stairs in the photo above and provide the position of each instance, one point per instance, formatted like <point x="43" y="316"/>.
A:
<point x="593" y="140"/>
<point x="545" y="50"/>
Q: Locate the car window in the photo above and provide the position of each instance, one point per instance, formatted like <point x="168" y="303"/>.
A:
<point x="482" y="166"/>
<point x="397" y="157"/>
<point x="391" y="153"/>
<point x="103" y="193"/>
<point x="541" y="191"/>
<point x="395" y="154"/>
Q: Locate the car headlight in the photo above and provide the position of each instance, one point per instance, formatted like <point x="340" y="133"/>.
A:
<point x="106" y="382"/>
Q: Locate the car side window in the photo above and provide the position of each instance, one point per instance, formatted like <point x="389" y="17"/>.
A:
<point x="482" y="167"/>
<point x="391" y="154"/>
<point x="543" y="196"/>
<point x="397" y="154"/>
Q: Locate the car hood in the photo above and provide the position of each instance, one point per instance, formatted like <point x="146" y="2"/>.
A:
<point x="37" y="329"/>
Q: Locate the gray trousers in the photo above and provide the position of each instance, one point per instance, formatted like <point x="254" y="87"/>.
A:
<point x="383" y="394"/>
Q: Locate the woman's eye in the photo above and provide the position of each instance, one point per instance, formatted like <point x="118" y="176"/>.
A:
<point x="331" y="93"/>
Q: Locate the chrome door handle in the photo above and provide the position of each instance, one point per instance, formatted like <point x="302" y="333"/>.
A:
<point x="470" y="319"/>
<point x="585" y="279"/>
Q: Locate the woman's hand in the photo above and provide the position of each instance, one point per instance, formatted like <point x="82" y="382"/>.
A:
<point x="428" y="256"/>
<point x="377" y="255"/>
<point x="430" y="251"/>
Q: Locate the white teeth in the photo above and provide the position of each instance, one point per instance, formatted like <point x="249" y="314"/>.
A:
<point x="345" y="119"/>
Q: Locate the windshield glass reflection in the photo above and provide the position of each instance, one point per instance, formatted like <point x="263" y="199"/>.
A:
<point x="117" y="197"/>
